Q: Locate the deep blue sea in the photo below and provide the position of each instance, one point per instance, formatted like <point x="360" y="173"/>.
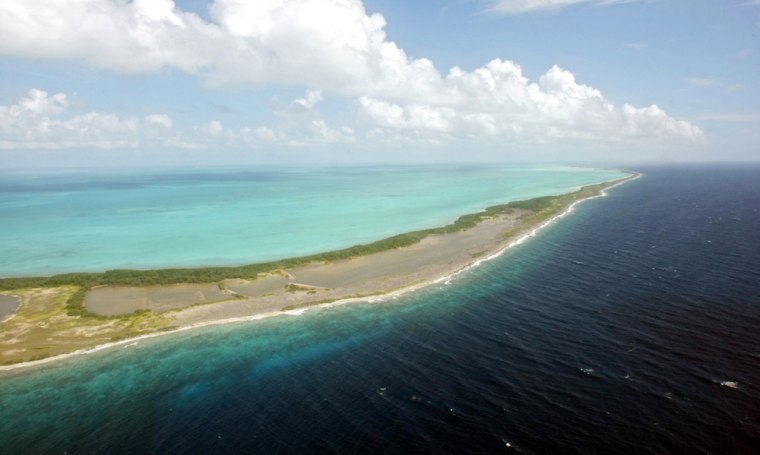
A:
<point x="631" y="326"/>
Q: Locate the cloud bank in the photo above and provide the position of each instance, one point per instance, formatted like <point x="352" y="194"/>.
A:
<point x="498" y="100"/>
<point x="41" y="121"/>
<point x="326" y="46"/>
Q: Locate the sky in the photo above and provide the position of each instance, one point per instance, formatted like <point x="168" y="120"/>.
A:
<point x="88" y="83"/>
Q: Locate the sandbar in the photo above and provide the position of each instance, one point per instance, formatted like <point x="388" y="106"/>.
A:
<point x="42" y="330"/>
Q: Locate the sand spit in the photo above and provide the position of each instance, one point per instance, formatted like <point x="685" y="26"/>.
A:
<point x="375" y="277"/>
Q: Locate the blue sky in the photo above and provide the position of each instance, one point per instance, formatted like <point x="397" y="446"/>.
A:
<point x="152" y="82"/>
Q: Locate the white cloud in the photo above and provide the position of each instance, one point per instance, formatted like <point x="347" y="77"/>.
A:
<point x="213" y="128"/>
<point x="322" y="44"/>
<point x="42" y="121"/>
<point x="264" y="133"/>
<point x="205" y="135"/>
<point x="37" y="103"/>
<point x="498" y="100"/>
<point x="329" y="45"/>
<point x="653" y="120"/>
<point x="315" y="131"/>
<point x="299" y="123"/>
<point x="310" y="100"/>
<point x="528" y="6"/>
<point x="160" y="120"/>
<point x="332" y="46"/>
<point x="322" y="132"/>
<point x="296" y="125"/>
<point x="305" y="105"/>
<point x="130" y="37"/>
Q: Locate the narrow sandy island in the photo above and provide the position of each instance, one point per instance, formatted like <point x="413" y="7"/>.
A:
<point x="45" y="327"/>
<point x="376" y="274"/>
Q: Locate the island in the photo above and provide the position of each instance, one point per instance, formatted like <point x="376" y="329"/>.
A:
<point x="47" y="318"/>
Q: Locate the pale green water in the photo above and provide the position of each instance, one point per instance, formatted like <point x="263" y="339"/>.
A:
<point x="54" y="222"/>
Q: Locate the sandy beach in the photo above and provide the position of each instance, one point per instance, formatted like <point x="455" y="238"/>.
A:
<point x="173" y="308"/>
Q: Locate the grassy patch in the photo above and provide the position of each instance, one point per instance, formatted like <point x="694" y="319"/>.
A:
<point x="45" y="326"/>
<point x="293" y="287"/>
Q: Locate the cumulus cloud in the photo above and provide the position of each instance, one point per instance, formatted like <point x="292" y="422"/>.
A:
<point x="310" y="100"/>
<point x="159" y="120"/>
<point x="39" y="120"/>
<point x="131" y="37"/>
<point x="328" y="46"/>
<point x="296" y="123"/>
<point x="213" y="134"/>
<point x="213" y="128"/>
<point x="205" y="135"/>
<point x="498" y="100"/>
<point x="322" y="44"/>
<point x="42" y="121"/>
<point x="316" y="131"/>
<point x="302" y="106"/>
<point x="299" y="123"/>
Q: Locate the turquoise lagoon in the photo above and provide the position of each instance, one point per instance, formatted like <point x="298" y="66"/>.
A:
<point x="79" y="220"/>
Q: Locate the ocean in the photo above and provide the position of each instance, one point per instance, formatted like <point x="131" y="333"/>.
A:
<point x="630" y="326"/>
<point x="75" y="221"/>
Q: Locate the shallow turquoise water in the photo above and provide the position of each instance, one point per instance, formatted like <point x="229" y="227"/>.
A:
<point x="54" y="222"/>
<point x="629" y="327"/>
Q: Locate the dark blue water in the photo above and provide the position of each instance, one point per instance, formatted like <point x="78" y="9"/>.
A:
<point x="632" y="326"/>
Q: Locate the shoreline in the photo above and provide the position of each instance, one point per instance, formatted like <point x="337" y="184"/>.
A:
<point x="518" y="238"/>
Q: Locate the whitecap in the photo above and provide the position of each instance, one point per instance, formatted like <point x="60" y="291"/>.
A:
<point x="297" y="312"/>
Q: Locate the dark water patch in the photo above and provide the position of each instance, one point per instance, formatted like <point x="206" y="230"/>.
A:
<point x="119" y="180"/>
<point x="9" y="304"/>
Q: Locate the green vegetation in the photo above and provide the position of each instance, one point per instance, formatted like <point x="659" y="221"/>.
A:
<point x="539" y="209"/>
<point x="293" y="287"/>
<point x="75" y="303"/>
<point x="44" y="326"/>
<point x="290" y="287"/>
<point x="543" y="208"/>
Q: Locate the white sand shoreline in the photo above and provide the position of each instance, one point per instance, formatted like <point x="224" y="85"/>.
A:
<point x="446" y="279"/>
